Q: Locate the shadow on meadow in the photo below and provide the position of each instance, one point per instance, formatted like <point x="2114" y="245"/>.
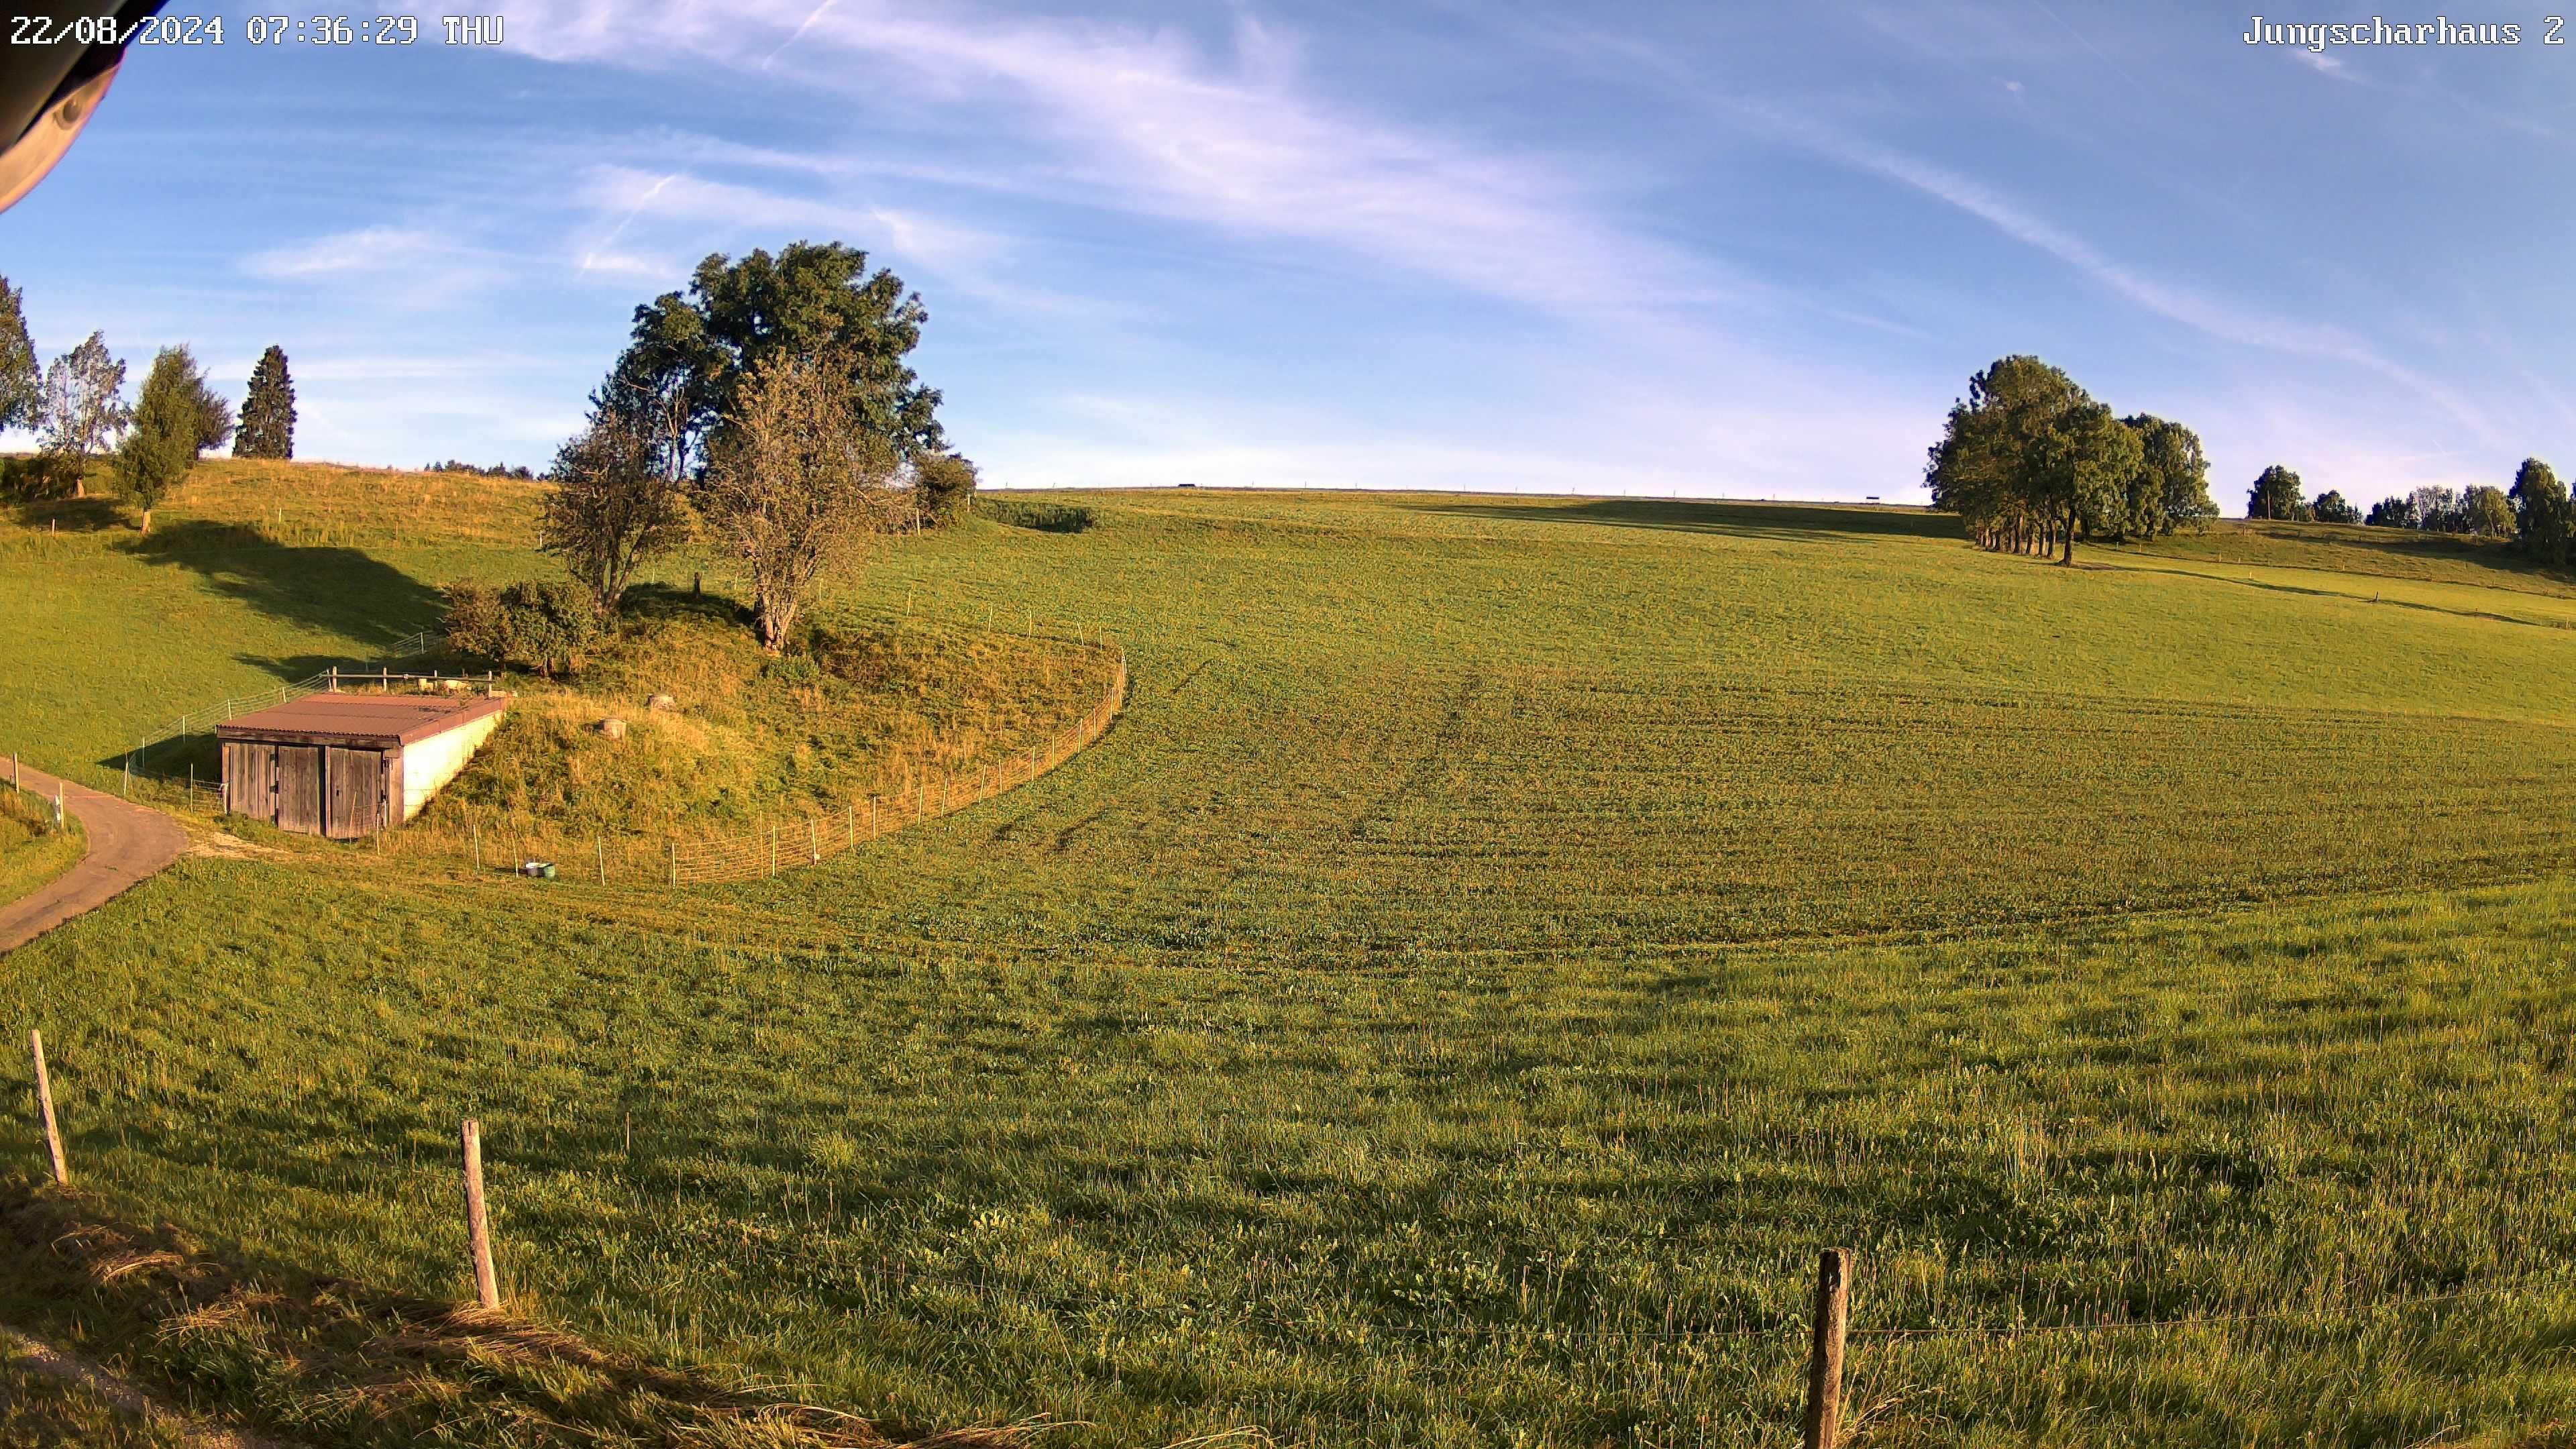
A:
<point x="1791" y="522"/>
<point x="73" y="515"/>
<point x="343" y="590"/>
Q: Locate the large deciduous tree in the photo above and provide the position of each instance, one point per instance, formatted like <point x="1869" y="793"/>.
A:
<point x="174" y="420"/>
<point x="268" y="410"/>
<point x="2170" y="490"/>
<point x="2542" y="522"/>
<point x="2029" y="459"/>
<point x="690" y="355"/>
<point x="2332" y="507"/>
<point x="84" y="406"/>
<point x="611" y="507"/>
<point x="2486" y="511"/>
<point x="798" y="481"/>
<point x="2277" y="494"/>
<point x="22" y="383"/>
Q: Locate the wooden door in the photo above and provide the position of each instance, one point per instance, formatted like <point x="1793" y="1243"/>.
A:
<point x="356" y="783"/>
<point x="299" y="789"/>
<point x="250" y="779"/>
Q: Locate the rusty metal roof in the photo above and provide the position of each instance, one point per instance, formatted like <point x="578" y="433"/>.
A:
<point x="376" y="720"/>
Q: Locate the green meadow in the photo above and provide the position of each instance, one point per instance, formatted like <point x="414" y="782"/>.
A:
<point x="1500" y="942"/>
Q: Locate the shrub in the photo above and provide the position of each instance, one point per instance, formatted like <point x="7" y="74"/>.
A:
<point x="1044" y="517"/>
<point x="543" y="624"/>
<point x="943" y="487"/>
<point x="39" y="477"/>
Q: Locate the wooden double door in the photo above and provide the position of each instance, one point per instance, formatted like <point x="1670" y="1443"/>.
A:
<point x="310" y="789"/>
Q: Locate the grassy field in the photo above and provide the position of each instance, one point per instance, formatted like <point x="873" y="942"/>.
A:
<point x="1502" y="939"/>
<point x="32" y="851"/>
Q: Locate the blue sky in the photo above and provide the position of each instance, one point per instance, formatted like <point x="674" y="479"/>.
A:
<point x="1700" y="249"/>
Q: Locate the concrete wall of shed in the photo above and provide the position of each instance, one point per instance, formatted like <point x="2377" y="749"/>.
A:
<point x="430" y="763"/>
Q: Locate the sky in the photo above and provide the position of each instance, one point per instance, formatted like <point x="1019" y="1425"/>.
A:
<point x="1696" y="249"/>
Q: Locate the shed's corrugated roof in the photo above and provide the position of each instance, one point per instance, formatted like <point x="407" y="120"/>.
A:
<point x="368" y="719"/>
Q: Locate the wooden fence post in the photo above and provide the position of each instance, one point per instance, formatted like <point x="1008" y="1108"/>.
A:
<point x="13" y="771"/>
<point x="475" y="832"/>
<point x="1825" y="1353"/>
<point x="45" y="1108"/>
<point x="674" y="847"/>
<point x="813" y="841"/>
<point x="602" y="839"/>
<point x="773" y="851"/>
<point x="478" y="1223"/>
<point x="127" y="788"/>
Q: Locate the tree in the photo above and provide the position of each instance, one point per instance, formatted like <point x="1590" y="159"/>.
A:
<point x="2486" y="512"/>
<point x="798" y="480"/>
<point x="268" y="410"/>
<point x="943" y="486"/>
<point x="2391" y="513"/>
<point x="690" y="355"/>
<point x="2084" y="465"/>
<point x="2171" y="487"/>
<point x="84" y="406"/>
<point x="611" y="507"/>
<point x="2277" y="494"/>
<point x="169" y="430"/>
<point x="2029" y="459"/>
<point x="2436" y="510"/>
<point x="22" y="385"/>
<point x="2541" y="516"/>
<point x="2333" y="507"/>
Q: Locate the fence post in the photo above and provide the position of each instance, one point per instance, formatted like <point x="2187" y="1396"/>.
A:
<point x="603" y="857"/>
<point x="674" y="847"/>
<point x="475" y="832"/>
<point x="127" y="788"/>
<point x="813" y="840"/>
<point x="1825" y="1353"/>
<point x="773" y="851"/>
<point x="13" y="770"/>
<point x="45" y="1107"/>
<point x="478" y="1223"/>
<point x="851" y="812"/>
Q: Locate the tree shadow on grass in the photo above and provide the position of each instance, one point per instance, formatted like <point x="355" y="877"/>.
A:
<point x="1792" y="522"/>
<point x="345" y="591"/>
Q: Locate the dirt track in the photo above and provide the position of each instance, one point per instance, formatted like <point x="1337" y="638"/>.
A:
<point x="127" y="844"/>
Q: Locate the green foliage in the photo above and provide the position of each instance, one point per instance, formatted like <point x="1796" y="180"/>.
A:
<point x="22" y="391"/>
<point x="2486" y="512"/>
<point x="39" y="477"/>
<point x="544" y="624"/>
<point x="169" y="429"/>
<point x="943" y="487"/>
<point x="2543" y="521"/>
<point x="609" y="508"/>
<point x="2332" y="507"/>
<point x="689" y="356"/>
<point x="1044" y="517"/>
<point x="2278" y="495"/>
<point x="2030" y="456"/>
<point x="2170" y="490"/>
<point x="84" y="407"/>
<point x="267" y="427"/>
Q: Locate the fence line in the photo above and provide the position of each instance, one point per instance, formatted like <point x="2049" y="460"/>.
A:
<point x="199" y="721"/>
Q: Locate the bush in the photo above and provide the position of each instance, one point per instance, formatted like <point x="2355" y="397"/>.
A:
<point x="943" y="487"/>
<point x="1044" y="517"/>
<point x="39" y="477"/>
<point x="542" y="624"/>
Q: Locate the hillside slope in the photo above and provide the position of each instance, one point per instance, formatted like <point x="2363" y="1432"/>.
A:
<point x="1500" y="932"/>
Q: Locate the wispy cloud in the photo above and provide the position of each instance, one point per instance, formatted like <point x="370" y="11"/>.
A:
<point x="1147" y="122"/>
<point x="402" y="267"/>
<point x="2226" y="320"/>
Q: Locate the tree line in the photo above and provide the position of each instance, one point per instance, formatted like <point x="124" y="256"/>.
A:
<point x="768" y="409"/>
<point x="76" y="407"/>
<point x="2029" y="460"/>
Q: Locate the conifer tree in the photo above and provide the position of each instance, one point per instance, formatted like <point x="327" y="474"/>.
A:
<point x="267" y="427"/>
<point x="168" y="430"/>
<point x="22" y="384"/>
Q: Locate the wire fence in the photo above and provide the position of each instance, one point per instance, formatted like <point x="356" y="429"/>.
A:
<point x="202" y="721"/>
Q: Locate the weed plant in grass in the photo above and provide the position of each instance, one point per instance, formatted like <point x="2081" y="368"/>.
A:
<point x="1497" y="930"/>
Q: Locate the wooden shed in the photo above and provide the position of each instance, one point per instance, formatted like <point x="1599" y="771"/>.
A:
<point x="349" y="765"/>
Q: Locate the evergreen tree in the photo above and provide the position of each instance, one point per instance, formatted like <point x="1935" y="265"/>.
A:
<point x="268" y="411"/>
<point x="168" y="431"/>
<point x="22" y="385"/>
